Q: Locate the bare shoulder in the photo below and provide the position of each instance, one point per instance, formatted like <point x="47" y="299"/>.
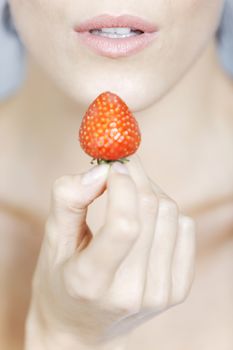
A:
<point x="21" y="234"/>
<point x="20" y="239"/>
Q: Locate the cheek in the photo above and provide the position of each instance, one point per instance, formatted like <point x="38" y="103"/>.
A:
<point x="193" y="13"/>
<point x="38" y="20"/>
<point x="30" y="19"/>
<point x="40" y="24"/>
<point x="195" y="22"/>
<point x="189" y="26"/>
<point x="195" y="7"/>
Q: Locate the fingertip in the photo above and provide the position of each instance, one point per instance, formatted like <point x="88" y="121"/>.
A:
<point x="98" y="172"/>
<point x="118" y="167"/>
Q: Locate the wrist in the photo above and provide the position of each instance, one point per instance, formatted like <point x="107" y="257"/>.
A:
<point x="40" y="336"/>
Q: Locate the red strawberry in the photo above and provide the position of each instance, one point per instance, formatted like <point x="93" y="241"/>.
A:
<point x="109" y="131"/>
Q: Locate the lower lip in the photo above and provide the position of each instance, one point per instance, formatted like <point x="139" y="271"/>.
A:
<point x="119" y="47"/>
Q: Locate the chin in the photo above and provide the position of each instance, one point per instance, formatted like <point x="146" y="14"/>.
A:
<point x="136" y="102"/>
<point x="138" y="94"/>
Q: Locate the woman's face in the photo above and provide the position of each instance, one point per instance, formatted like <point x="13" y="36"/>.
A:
<point x="184" y="29"/>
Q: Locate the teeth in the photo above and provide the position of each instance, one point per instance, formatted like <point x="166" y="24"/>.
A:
<point x="119" y="32"/>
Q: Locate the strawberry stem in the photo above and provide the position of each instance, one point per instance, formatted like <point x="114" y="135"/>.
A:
<point x="109" y="161"/>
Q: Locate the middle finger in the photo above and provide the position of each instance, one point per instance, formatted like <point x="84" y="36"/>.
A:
<point x="132" y="271"/>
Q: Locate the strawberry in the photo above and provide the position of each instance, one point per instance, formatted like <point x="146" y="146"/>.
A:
<point x="109" y="132"/>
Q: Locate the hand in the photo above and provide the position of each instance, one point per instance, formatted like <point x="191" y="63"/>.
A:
<point x="140" y="262"/>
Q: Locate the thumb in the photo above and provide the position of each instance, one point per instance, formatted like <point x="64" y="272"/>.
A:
<point x="71" y="196"/>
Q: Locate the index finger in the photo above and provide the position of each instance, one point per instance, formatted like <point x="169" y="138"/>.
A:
<point x="101" y="258"/>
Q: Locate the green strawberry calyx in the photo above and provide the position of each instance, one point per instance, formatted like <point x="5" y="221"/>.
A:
<point x="109" y="161"/>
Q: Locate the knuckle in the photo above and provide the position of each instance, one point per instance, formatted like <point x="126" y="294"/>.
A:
<point x="78" y="289"/>
<point x="118" y="180"/>
<point x="70" y="284"/>
<point x="182" y="288"/>
<point x="188" y="223"/>
<point x="128" y="307"/>
<point x="180" y="299"/>
<point x="88" y="294"/>
<point x="127" y="227"/>
<point x="75" y="291"/>
<point x="61" y="187"/>
<point x="158" y="301"/>
<point x="180" y="296"/>
<point x="65" y="191"/>
<point x="120" y="177"/>
<point x="149" y="201"/>
<point x="162" y="302"/>
<point x="168" y="207"/>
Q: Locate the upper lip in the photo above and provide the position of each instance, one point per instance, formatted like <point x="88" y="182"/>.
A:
<point x="107" y="21"/>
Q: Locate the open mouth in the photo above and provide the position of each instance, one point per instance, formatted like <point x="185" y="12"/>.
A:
<point x="116" y="33"/>
<point x="114" y="37"/>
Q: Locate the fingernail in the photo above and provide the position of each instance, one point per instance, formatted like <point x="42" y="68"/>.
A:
<point x="119" y="168"/>
<point x="95" y="174"/>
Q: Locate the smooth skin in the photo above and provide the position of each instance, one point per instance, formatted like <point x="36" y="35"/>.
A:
<point x="145" y="245"/>
<point x="89" y="290"/>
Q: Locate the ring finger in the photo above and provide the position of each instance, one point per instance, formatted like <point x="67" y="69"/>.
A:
<point x="158" y="283"/>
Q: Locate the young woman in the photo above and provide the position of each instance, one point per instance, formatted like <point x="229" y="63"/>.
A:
<point x="109" y="251"/>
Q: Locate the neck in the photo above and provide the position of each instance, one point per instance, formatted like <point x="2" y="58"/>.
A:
<point x="176" y="120"/>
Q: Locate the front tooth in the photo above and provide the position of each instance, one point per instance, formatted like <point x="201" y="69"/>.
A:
<point x="119" y="30"/>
